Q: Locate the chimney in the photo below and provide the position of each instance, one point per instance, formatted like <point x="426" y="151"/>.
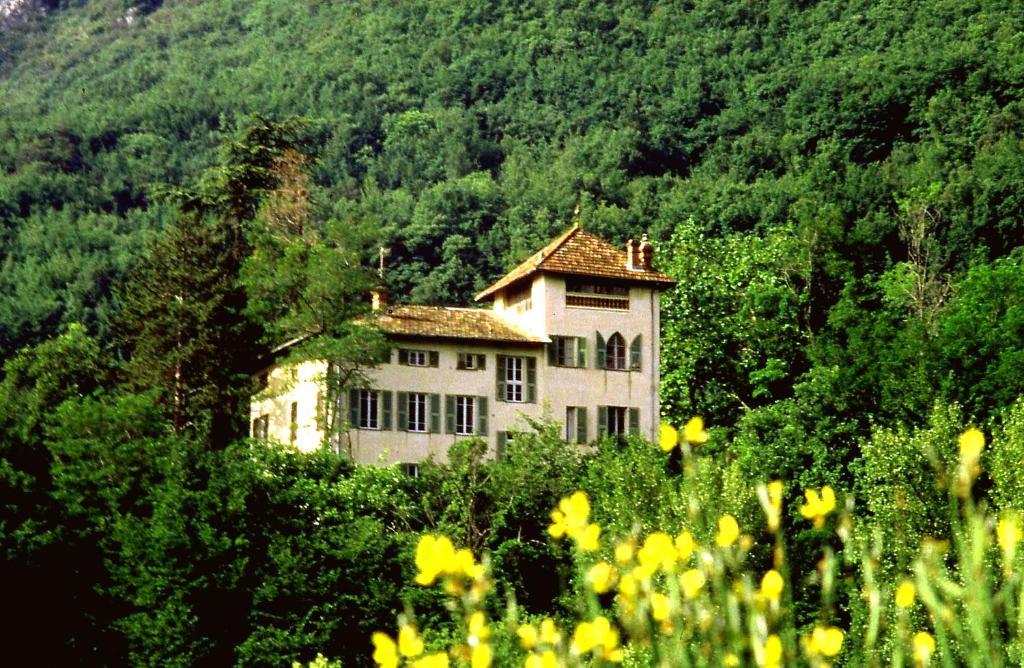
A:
<point x="631" y="260"/>
<point x="646" y="252"/>
<point x="378" y="298"/>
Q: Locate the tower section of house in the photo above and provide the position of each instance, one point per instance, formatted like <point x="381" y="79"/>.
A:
<point x="571" y="334"/>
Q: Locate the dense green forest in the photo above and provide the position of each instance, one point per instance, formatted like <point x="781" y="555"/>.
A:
<point x="838" y="187"/>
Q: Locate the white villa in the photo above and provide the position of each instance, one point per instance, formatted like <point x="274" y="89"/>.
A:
<point x="572" y="334"/>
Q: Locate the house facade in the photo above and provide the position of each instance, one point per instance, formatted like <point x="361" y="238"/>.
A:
<point x="571" y="334"/>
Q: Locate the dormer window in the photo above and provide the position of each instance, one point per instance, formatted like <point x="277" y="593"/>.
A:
<point x="521" y="299"/>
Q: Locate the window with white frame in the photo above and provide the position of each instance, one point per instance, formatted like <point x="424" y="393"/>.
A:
<point x="417" y="412"/>
<point x="465" y="415"/>
<point x="514" y="379"/>
<point x="412" y="470"/>
<point x="418" y="358"/>
<point x="570" y="424"/>
<point x="369" y="409"/>
<point x="615" y="352"/>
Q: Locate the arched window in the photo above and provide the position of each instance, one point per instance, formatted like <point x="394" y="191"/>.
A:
<point x="615" y="352"/>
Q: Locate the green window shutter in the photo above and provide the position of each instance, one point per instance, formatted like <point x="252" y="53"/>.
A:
<point x="501" y="378"/>
<point x="403" y="412"/>
<point x="531" y="380"/>
<point x="481" y="416"/>
<point x="581" y="424"/>
<point x="353" y="408"/>
<point x="601" y="352"/>
<point x="435" y="413"/>
<point x="403" y="356"/>
<point x="502" y="446"/>
<point x="481" y="361"/>
<point x="553" y="351"/>
<point x="634" y="353"/>
<point x="634" y="421"/>
<point x="581" y="352"/>
<point x="434" y="358"/>
<point x="449" y="413"/>
<point x="460" y="361"/>
<point x="602" y="420"/>
<point x="385" y="413"/>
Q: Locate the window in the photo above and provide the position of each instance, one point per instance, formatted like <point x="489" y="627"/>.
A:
<point x="418" y="357"/>
<point x="615" y="352"/>
<point x="417" y="412"/>
<point x="567" y="351"/>
<point x="517" y="379"/>
<point x="514" y="379"/>
<point x="465" y="415"/>
<point x="261" y="427"/>
<point x="575" y="424"/>
<point x="521" y="299"/>
<point x="471" y="361"/>
<point x="293" y="425"/>
<point x="411" y="470"/>
<point x="618" y="420"/>
<point x="369" y="409"/>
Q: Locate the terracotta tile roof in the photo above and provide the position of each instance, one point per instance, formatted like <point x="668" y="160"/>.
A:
<point x="450" y="323"/>
<point x="582" y="254"/>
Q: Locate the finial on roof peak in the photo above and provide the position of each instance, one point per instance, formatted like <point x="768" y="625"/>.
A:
<point x="576" y="216"/>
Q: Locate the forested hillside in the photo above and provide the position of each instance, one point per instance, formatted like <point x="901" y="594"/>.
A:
<point x="837" y="187"/>
<point x="471" y="131"/>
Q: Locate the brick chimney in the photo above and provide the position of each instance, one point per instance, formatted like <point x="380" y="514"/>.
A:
<point x="378" y="298"/>
<point x="646" y="254"/>
<point x="631" y="259"/>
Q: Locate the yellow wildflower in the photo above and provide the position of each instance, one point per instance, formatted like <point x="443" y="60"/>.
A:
<point x="481" y="656"/>
<point x="818" y="507"/>
<point x="660" y="607"/>
<point x="728" y="531"/>
<point x="1008" y="535"/>
<point x="549" y="634"/>
<point x="825" y="641"/>
<point x="588" y="539"/>
<point x="972" y="442"/>
<point x="409" y="642"/>
<point x="924" y="647"/>
<point x="772" y="585"/>
<point x="478" y="630"/>
<point x="601" y="577"/>
<point x="571" y="516"/>
<point x="624" y="552"/>
<point x="385" y="651"/>
<point x="438" y="660"/>
<point x="668" y="437"/>
<point x="694" y="433"/>
<point x="685" y="546"/>
<point x="434" y="555"/>
<point x="691" y="582"/>
<point x="657" y="552"/>
<point x="730" y="660"/>
<point x="546" y="659"/>
<point x="597" y="636"/>
<point x="771" y="653"/>
<point x="905" y="594"/>
<point x="527" y="636"/>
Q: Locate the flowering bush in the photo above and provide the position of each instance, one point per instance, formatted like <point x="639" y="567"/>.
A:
<point x="699" y="596"/>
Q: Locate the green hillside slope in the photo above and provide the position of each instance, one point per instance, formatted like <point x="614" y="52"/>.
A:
<point x="471" y="132"/>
